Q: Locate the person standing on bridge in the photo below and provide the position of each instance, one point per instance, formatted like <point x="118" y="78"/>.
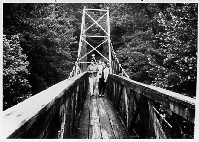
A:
<point x="93" y="58"/>
<point x="106" y="72"/>
<point x="100" y="78"/>
<point x="92" y="70"/>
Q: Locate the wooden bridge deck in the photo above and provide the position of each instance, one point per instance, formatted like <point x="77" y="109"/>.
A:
<point x="99" y="120"/>
<point x="54" y="112"/>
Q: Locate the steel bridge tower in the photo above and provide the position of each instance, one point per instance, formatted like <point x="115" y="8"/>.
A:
<point x="94" y="38"/>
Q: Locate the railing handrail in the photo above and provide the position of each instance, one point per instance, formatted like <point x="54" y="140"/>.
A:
<point x="16" y="116"/>
<point x="170" y="99"/>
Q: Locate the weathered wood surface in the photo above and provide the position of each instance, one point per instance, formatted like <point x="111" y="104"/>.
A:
<point x="179" y="104"/>
<point x="104" y="122"/>
<point x="33" y="117"/>
<point x="135" y="103"/>
<point x="106" y="127"/>
<point x="117" y="126"/>
<point x="94" y="126"/>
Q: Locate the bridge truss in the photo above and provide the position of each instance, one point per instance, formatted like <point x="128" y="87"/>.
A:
<point x="95" y="39"/>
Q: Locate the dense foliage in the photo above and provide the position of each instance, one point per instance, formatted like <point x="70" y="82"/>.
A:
<point x="156" y="43"/>
<point x="177" y="50"/>
<point x="16" y="86"/>
<point x="45" y="34"/>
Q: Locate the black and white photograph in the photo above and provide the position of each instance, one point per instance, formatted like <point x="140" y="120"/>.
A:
<point x="112" y="70"/>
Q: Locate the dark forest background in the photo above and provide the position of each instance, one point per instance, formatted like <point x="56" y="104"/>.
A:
<point x="155" y="43"/>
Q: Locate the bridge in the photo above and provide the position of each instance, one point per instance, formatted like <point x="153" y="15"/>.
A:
<point x="128" y="110"/>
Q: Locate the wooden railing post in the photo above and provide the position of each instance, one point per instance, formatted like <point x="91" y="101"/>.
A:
<point x="66" y="104"/>
<point x="126" y="106"/>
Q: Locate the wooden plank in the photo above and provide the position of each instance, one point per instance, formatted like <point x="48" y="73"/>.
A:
<point x="146" y="120"/>
<point x="83" y="126"/>
<point x="105" y="126"/>
<point x="118" y="128"/>
<point x="94" y="130"/>
<point x="135" y="112"/>
<point x="87" y="102"/>
<point x="126" y="106"/>
<point x="63" y="115"/>
<point x="119" y="96"/>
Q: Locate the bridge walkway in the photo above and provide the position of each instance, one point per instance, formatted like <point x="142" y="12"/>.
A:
<point x="99" y="120"/>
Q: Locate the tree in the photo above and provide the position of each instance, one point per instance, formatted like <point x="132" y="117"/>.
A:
<point x="157" y="43"/>
<point x="16" y="87"/>
<point x="176" y="67"/>
<point x="132" y="37"/>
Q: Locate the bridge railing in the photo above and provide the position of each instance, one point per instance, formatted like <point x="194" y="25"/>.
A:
<point x="116" y="66"/>
<point x="150" y="111"/>
<point x="52" y="113"/>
